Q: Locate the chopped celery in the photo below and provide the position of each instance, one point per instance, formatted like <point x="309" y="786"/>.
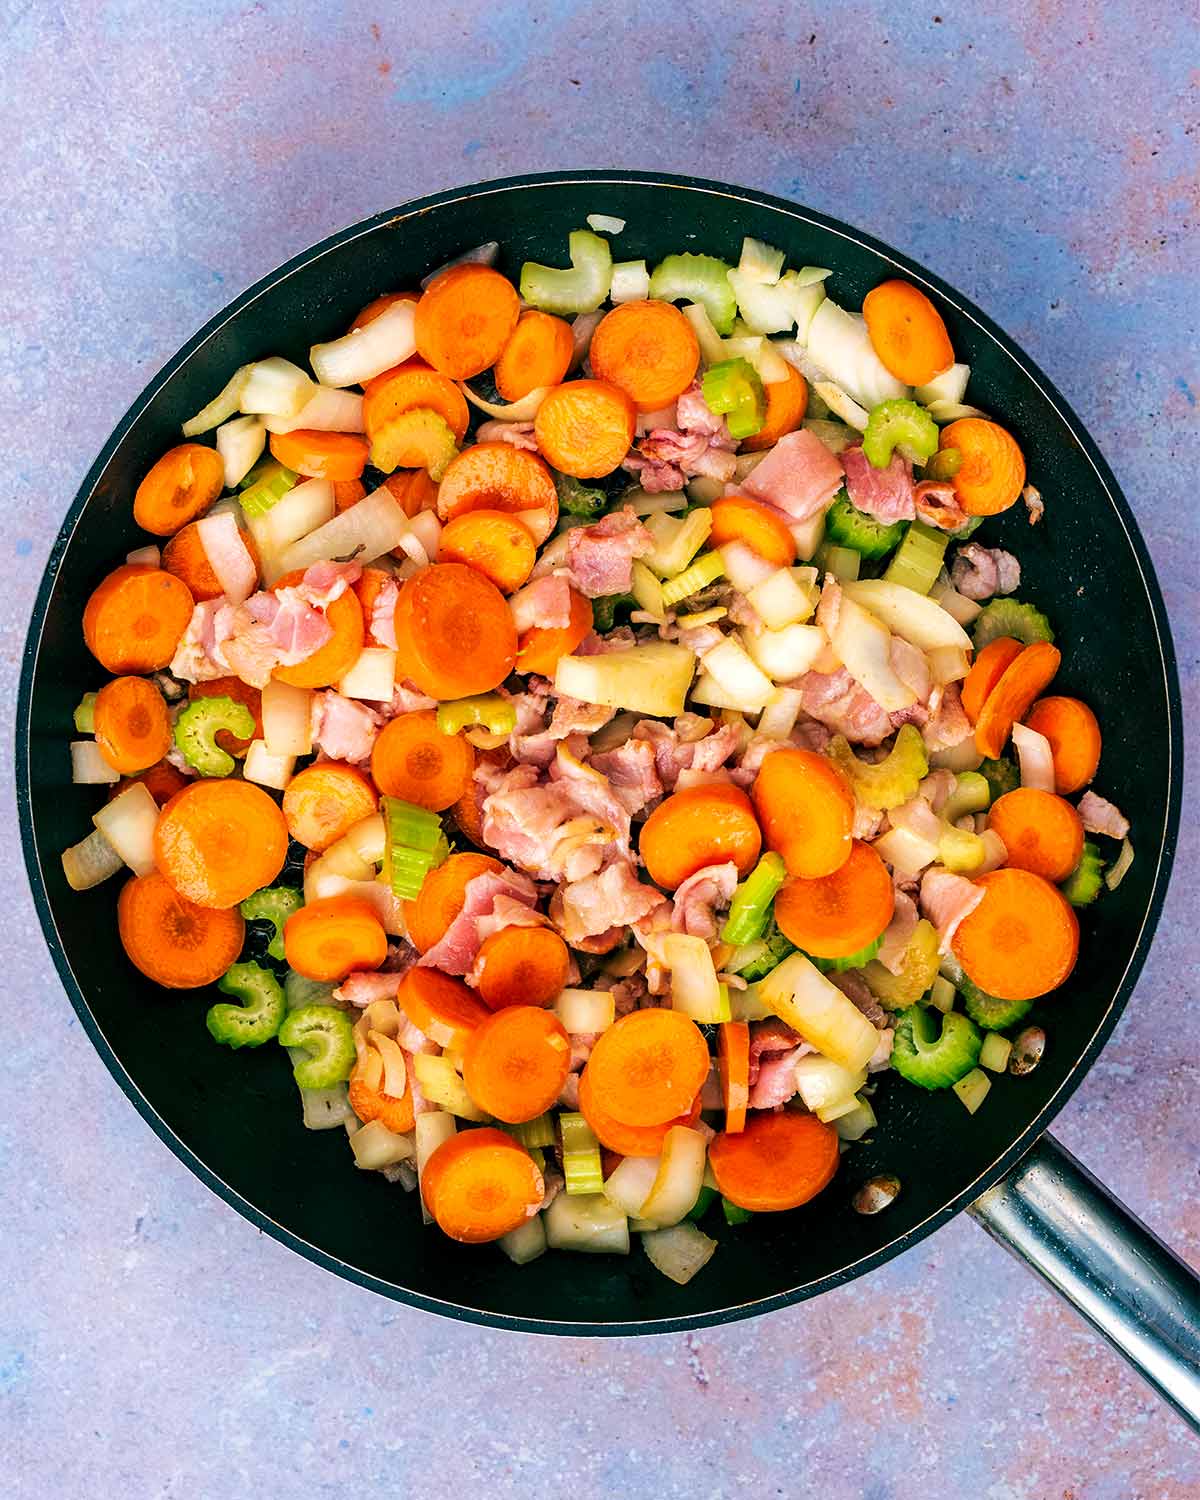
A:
<point x="259" y="1015"/>
<point x="410" y="826"/>
<point x="847" y="526"/>
<point x="273" y="904"/>
<point x="933" y="1056"/>
<point x="705" y="1199"/>
<point x="971" y="795"/>
<point x="973" y="1089"/>
<point x="842" y="562"/>
<point x="647" y="591"/>
<point x="961" y="851"/>
<point x="750" y="909"/>
<point x="493" y="712"/>
<point x="677" y="539"/>
<point x="734" y="1214"/>
<point x="994" y="1053"/>
<point x="1001" y="776"/>
<point x="413" y="845"/>
<point x="630" y="281"/>
<point x="733" y="390"/>
<point x="706" y="569"/>
<point x="918" y="970"/>
<point x="1010" y="617"/>
<point x="198" y="725"/>
<point x="892" y="781"/>
<point x="851" y="961"/>
<point x="855" y="1123"/>
<point x="580" y="1155"/>
<point x="918" y="560"/>
<point x="944" y="464"/>
<point x="581" y="289"/>
<point x="300" y="991"/>
<point x="604" y="610"/>
<point x="1082" y="886"/>
<point x="696" y="278"/>
<point x="760" y="263"/>
<point x="990" y="1012"/>
<point x="534" y="1134"/>
<point x="775" y="948"/>
<point x="419" y="438"/>
<point x="266" y="483"/>
<point x="942" y="994"/>
<point x="578" y="499"/>
<point x="85" y="714"/>
<point x="327" y="1035"/>
<point x="525" y="1243"/>
<point x="899" y="421"/>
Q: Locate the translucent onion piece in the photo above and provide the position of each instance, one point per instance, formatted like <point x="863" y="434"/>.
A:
<point x="1035" y="757"/>
<point x="842" y="405"/>
<point x="88" y="766"/>
<point x="432" y="1128"/>
<point x="373" y="676"/>
<point x="744" y="568"/>
<point x="800" y="995"/>
<point x="1120" y="866"/>
<point x="482" y="255"/>
<point x="240" y="443"/>
<point x="364" y="532"/>
<point x="643" y="504"/>
<point x="782" y="599"/>
<point x="525" y="1243"/>
<point x="779" y="717"/>
<point x="916" y="617"/>
<point x="327" y="410"/>
<point x="128" y="823"/>
<point x="840" y="346"/>
<point x="363" y="353"/>
<point x="585" y="1011"/>
<point x="427" y="529"/>
<point x="948" y="664"/>
<point x="631" y="1183"/>
<point x="275" y="387"/>
<point x="582" y="329"/>
<point x="440" y="1083"/>
<point x="824" y="1084"/>
<point x="90" y="861"/>
<point x="605" y="223"/>
<point x="630" y="282"/>
<point x="287" y="719"/>
<point x="150" y="556"/>
<point x="950" y="385"/>
<point x="836" y="436"/>
<point x="395" y="1071"/>
<point x="375" y="1147"/>
<point x="943" y="412"/>
<point x="523" y="410"/>
<point x="223" y="406"/>
<point x="680" y="1175"/>
<point x="323" y="1109"/>
<point x="587" y="1222"/>
<point x="960" y="609"/>
<point x="679" y="1252"/>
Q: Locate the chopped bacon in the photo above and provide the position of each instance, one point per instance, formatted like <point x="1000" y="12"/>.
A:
<point x="571" y="716"/>
<point x="948" y="724"/>
<point x="343" y="728"/>
<point x="294" y="627"/>
<point x="632" y="771"/>
<point x="799" y="475"/>
<point x="855" y="988"/>
<point x="362" y="989"/>
<point x="382" y="625"/>
<point x="666" y="459"/>
<point x="612" y="898"/>
<point x="565" y="827"/>
<point x="937" y="505"/>
<point x="886" y="494"/>
<point x="518" y="434"/>
<point x="776" y="1082"/>
<point x="545" y="604"/>
<point x="842" y="705"/>
<point x="455" y="951"/>
<point x="1034" y="503"/>
<point x="1102" y="816"/>
<point x="600" y="557"/>
<point x="768" y="1038"/>
<point x="680" y="747"/>
<point x="696" y="900"/>
<point x="407" y="699"/>
<point x="324" y="582"/>
<point x="979" y="572"/>
<point x="946" y="899"/>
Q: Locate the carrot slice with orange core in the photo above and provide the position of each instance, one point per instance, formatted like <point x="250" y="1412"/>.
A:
<point x="178" y="488"/>
<point x="408" y="386"/>
<point x="454" y="631"/>
<point x="440" y="1006"/>
<point x="991" y="474"/>
<point x="185" y="557"/>
<point x="347" y="492"/>
<point x="381" y="305"/>
<point x="703" y="825"/>
<point x="986" y="671"/>
<point x="161" y="781"/>
<point x="240" y="692"/>
<point x="806" y="810"/>
<point x="542" y="646"/>
<point x="521" y="966"/>
<point x="907" y="332"/>
<point x="538" y="353"/>
<point x="443" y="896"/>
<point x="396" y="1115"/>
<point x="135" y="619"/>
<point x="497" y="476"/>
<point x="1022" y="940"/>
<point x="133" y="727"/>
<point x="833" y="916"/>
<point x="648" y="1067"/>
<point x="585" y="427"/>
<point x="413" y="489"/>
<point x="464" y="320"/>
<point x="648" y="350"/>
<point x="737" y="518"/>
<point x="1042" y="833"/>
<point x="328" y="939"/>
<point x="480" y="1185"/>
<point x="1074" y="735"/>
<point x="493" y="543"/>
<point x="787" y="401"/>
<point x="733" y="1065"/>
<point x="516" y="1062"/>
<point x="337" y="456"/>
<point x="331" y="662"/>
<point x="367" y="588"/>
<point x="170" y="939"/>
<point x="778" y="1161"/>
<point x="1021" y="683"/>
<point x="325" y="801"/>
<point x="218" y="842"/>
<point x="628" y="1140"/>
<point x="415" y="761"/>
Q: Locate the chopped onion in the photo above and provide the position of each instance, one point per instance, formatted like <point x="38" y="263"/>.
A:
<point x="731" y="667"/>
<point x="586" y="1222"/>
<point x="439" y="1080"/>
<point x="582" y="329"/>
<point x="836" y="436"/>
<point x="842" y="405"/>
<point x="364" y="532"/>
<point x="286" y="719"/>
<point x="223" y="406"/>
<point x="375" y="1146"/>
<point x="605" y="223"/>
<point x="525" y="1243"/>
<point x="523" y="410"/>
<point x="943" y="412"/>
<point x="88" y="766"/>
<point x="948" y="664"/>
<point x="695" y="989"/>
<point x="630" y="282"/>
<point x="631" y="1183"/>
<point x="770" y="365"/>
<point x="779" y="717"/>
<point x="327" y="410"/>
<point x="957" y="606"/>
<point x="228" y="556"/>
<point x="840" y="346"/>
<point x="433" y="1127"/>
<point x="679" y="1252"/>
<point x="585" y="1011"/>
<point x="363" y="353"/>
<point x="1120" y="866"/>
<point x="275" y="387"/>
<point x="395" y="1071"/>
<point x="916" y="617"/>
<point x="853" y="1125"/>
<point x="323" y="1109"/>
<point x="149" y="556"/>
<point x="678" y="1180"/>
<point x="950" y="385"/>
<point x="965" y="756"/>
<point x="482" y="255"/>
<point x="410" y="545"/>
<point x="1036" y="758"/>
<point x="709" y="692"/>
<point x="240" y="443"/>
<point x="128" y="823"/>
<point x="265" y="769"/>
<point x="744" y="568"/>
<point x="995" y="853"/>
<point x="825" y="1084"/>
<point x="808" y="535"/>
<point x="788" y="653"/>
<point x="781" y="599"/>
<point x="427" y="529"/>
<point x="373" y="676"/>
<point x="643" y="504"/>
<point x="90" y="861"/>
<point x="302" y="510"/>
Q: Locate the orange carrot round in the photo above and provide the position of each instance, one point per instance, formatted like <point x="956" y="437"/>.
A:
<point x="381" y="305"/>
<point x="497" y="476"/>
<point x="516" y="1062"/>
<point x="1042" y="832"/>
<point x="454" y="631"/>
<point x="585" y="427"/>
<point x="733" y="1065"/>
<point x="326" y="800"/>
<point x="334" y="659"/>
<point x="410" y="385"/>
<point x="703" y="825"/>
<point x="464" y="320"/>
<point x="787" y="401"/>
<point x="414" y="490"/>
<point x="986" y="671"/>
<point x="218" y="842"/>
<point x="907" y="332"/>
<point x="135" y="619"/>
<point x="415" y="761"/>
<point x="737" y="518"/>
<point x="833" y="916"/>
<point x="648" y="1067"/>
<point x="397" y="1115"/>
<point x="180" y="487"/>
<point x="648" y="350"/>
<point x="162" y="781"/>
<point x="328" y="939"/>
<point x="1022" y="681"/>
<point x="337" y="456"/>
<point x="367" y="588"/>
<point x="170" y="939"/>
<point x="521" y="966"/>
<point x="347" y="492"/>
<point x="185" y="556"/>
<point x="1022" y="940"/>
<point x="1074" y="735"/>
<point x="628" y="1140"/>
<point x="541" y="646"/>
<point x="480" y="1185"/>
<point x="991" y="475"/>
<point x="778" y="1161"/>
<point x="133" y="727"/>
<point x="442" y="1007"/>
<point x="806" y="811"/>
<point x="493" y="543"/>
<point x="443" y="895"/>
<point x="240" y="692"/>
<point x="539" y="353"/>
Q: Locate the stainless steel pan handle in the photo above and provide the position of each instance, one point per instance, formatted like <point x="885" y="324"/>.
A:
<point x="1052" y="1213"/>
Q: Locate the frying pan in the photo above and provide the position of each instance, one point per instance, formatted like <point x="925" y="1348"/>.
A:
<point x="234" y="1119"/>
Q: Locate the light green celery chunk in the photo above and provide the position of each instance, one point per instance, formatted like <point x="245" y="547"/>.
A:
<point x="734" y="390"/>
<point x="580" y="1155"/>
<point x="581" y="289"/>
<point x="750" y="909"/>
<point x="198" y="725"/>
<point x="918" y="560"/>
<point x="85" y="714"/>
<point x="894" y="780"/>
<point x="327" y="1036"/>
<point x="697" y="278"/>
<point x="698" y="575"/>
<point x="899" y="422"/>
<point x="971" y="795"/>
<point x="266" y="484"/>
<point x="273" y="904"/>
<point x="261" y="1010"/>
<point x="494" y="713"/>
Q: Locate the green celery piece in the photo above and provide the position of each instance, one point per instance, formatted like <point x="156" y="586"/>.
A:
<point x="259" y="1015"/>
<point x="750" y="909"/>
<point x="778" y="948"/>
<point x="899" y="421"/>
<point x="580" y="1155"/>
<point x="198" y="725"/>
<point x="420" y="430"/>
<point x="578" y="499"/>
<point x="1010" y="617"/>
<point x="918" y="560"/>
<point x="892" y="781"/>
<point x="534" y="1134"/>
<point x="944" y="464"/>
<point x="327" y="1035"/>
<point x="581" y="289"/>
<point x="1083" y="885"/>
<point x="299" y="990"/>
<point x="852" y="961"/>
<point x="494" y="713"/>
<point x="735" y="1215"/>
<point x="972" y="794"/>
<point x="702" y="571"/>
<point x="1001" y="776"/>
<point x="410" y="826"/>
<point x="85" y="714"/>
<point x="273" y="904"/>
<point x="847" y="526"/>
<point x="933" y="1056"/>
<point x="990" y="1012"/>
<point x="265" y="485"/>
<point x="697" y="278"/>
<point x="734" y="390"/>
<point x="705" y="1199"/>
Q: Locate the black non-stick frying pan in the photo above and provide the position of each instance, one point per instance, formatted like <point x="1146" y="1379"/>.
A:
<point x="234" y="1119"/>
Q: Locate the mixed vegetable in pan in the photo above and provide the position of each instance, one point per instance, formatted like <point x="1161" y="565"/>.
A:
<point x="581" y="724"/>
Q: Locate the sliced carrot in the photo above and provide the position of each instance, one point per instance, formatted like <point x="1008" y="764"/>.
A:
<point x="493" y="543"/>
<point x="161" y="781"/>
<point x="414" y="489"/>
<point x="240" y="692"/>
<point x="648" y="1067"/>
<point x="1022" y="681"/>
<point x="986" y="671"/>
<point x="1042" y="833"/>
<point x="541" y="646"/>
<point x="185" y="556"/>
<point x="733" y="1064"/>
<point x="539" y="353"/>
<point x="326" y="800"/>
<point x="516" y="1062"/>
<point x="464" y="320"/>
<point x="778" y="1161"/>
<point x="443" y="895"/>
<point x="497" y="476"/>
<point x="628" y="1140"/>
<point x="170" y="939"/>
<point x="648" y="350"/>
<point x="397" y="1115"/>
<point x="408" y="386"/>
<point x="1022" y="940"/>
<point x="737" y="518"/>
<point x="480" y="1184"/>
<point x="370" y="584"/>
<point x="330" y="938"/>
<point x="585" y="427"/>
<point x="337" y="456"/>
<point x="136" y="618"/>
<point x="180" y="487"/>
<point x="1074" y="735"/>
<point x="381" y="305"/>
<point x="334" y="659"/>
<point x="991" y="474"/>
<point x="415" y="761"/>
<point x="834" y="916"/>
<point x="133" y="727"/>
<point x="218" y="842"/>
<point x="907" y="332"/>
<point x="521" y="966"/>
<point x="787" y="401"/>
<point x="442" y="1007"/>
<point x="454" y="631"/>
<point x="704" y="825"/>
<point x="347" y="492"/>
<point x="806" y="811"/>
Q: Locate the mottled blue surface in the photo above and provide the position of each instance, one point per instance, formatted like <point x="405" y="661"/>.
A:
<point x="158" y="158"/>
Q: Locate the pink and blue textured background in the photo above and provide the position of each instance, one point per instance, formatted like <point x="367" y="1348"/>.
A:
<point x="158" y="158"/>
